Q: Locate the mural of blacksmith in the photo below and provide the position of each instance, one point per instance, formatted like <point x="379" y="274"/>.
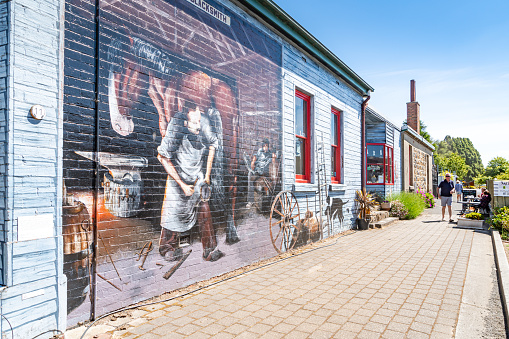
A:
<point x="189" y="125"/>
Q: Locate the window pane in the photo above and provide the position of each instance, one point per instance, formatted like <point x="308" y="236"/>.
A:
<point x="333" y="161"/>
<point x="387" y="174"/>
<point x="300" y="157"/>
<point x="375" y="174"/>
<point x="301" y="114"/>
<point x="387" y="150"/>
<point x="375" y="154"/>
<point x="334" y="129"/>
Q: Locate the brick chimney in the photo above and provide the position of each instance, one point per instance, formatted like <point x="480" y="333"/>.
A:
<point x="413" y="110"/>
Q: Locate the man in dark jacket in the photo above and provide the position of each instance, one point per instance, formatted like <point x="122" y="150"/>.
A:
<point x="444" y="192"/>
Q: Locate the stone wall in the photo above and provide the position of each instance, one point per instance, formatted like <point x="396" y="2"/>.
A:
<point x="420" y="170"/>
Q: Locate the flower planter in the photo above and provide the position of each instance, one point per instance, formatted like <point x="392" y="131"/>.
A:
<point x="470" y="223"/>
<point x="362" y="224"/>
<point x="385" y="206"/>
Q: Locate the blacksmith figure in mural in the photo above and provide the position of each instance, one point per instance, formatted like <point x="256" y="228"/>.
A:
<point x="187" y="137"/>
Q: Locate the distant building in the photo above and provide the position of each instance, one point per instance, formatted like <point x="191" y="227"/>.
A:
<point x="383" y="154"/>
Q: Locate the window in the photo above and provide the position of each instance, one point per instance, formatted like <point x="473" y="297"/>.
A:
<point x="302" y="137"/>
<point x="335" y="146"/>
<point x="380" y="164"/>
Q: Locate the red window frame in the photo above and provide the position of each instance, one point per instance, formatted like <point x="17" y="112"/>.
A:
<point x="336" y="149"/>
<point x="306" y="177"/>
<point x="388" y="166"/>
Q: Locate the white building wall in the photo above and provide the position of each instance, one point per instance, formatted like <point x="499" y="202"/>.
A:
<point x="326" y="91"/>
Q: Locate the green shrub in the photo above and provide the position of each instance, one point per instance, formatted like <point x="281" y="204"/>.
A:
<point x="500" y="220"/>
<point x="474" y="216"/>
<point x="412" y="202"/>
<point x="398" y="209"/>
<point x="428" y="198"/>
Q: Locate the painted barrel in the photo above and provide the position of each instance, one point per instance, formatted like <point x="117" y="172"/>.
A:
<point x="77" y="235"/>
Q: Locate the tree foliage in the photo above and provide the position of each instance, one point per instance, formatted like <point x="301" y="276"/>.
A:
<point x="452" y="163"/>
<point x="464" y="148"/>
<point x="496" y="166"/>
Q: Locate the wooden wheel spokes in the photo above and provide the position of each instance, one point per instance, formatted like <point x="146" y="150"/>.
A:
<point x="284" y="221"/>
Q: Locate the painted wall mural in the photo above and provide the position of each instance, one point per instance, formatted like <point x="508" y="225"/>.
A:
<point x="186" y="146"/>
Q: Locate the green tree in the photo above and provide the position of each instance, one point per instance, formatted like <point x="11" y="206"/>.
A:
<point x="496" y="167"/>
<point x="465" y="149"/>
<point x="453" y="163"/>
<point x="456" y="163"/>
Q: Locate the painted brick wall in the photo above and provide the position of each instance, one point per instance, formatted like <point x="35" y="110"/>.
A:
<point x="150" y="64"/>
<point x="33" y="273"/>
<point x="326" y="91"/>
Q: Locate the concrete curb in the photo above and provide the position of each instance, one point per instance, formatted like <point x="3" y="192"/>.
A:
<point x="502" y="272"/>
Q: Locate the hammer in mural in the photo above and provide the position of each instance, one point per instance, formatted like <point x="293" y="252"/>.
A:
<point x="194" y="109"/>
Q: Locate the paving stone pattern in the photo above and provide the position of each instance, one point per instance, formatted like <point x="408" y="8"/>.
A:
<point x="402" y="281"/>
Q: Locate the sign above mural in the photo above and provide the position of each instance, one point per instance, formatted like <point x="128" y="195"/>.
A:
<point x="211" y="10"/>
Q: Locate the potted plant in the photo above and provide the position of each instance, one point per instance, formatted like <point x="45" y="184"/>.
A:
<point x="471" y="220"/>
<point x="385" y="205"/>
<point x="366" y="202"/>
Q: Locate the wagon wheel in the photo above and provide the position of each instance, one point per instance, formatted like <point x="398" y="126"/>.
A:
<point x="284" y="221"/>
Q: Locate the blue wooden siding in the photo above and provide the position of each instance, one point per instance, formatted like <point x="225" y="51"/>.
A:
<point x="384" y="132"/>
<point x="31" y="172"/>
<point x="376" y="132"/>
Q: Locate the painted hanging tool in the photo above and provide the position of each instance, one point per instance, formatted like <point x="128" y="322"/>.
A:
<point x="145" y="250"/>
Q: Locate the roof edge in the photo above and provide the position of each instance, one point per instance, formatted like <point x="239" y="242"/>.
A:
<point x="371" y="111"/>
<point x="417" y="136"/>
<point x="276" y="17"/>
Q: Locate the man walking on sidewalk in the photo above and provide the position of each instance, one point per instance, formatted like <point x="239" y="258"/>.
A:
<point x="444" y="192"/>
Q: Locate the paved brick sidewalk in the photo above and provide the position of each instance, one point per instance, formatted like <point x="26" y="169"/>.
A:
<point x="402" y="281"/>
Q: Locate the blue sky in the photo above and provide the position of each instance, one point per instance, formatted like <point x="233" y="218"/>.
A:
<point x="457" y="52"/>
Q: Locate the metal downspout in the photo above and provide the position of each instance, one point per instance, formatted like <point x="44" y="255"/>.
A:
<point x="93" y="290"/>
<point x="363" y="142"/>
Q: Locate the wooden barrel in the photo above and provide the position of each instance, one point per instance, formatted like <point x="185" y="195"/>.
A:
<point x="77" y="235"/>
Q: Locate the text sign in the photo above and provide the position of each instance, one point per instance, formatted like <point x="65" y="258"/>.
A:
<point x="211" y="11"/>
<point x="501" y="188"/>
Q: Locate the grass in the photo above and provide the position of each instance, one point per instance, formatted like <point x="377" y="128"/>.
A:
<point x="412" y="201"/>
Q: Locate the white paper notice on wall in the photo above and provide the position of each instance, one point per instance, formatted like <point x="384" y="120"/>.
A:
<point x="35" y="227"/>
